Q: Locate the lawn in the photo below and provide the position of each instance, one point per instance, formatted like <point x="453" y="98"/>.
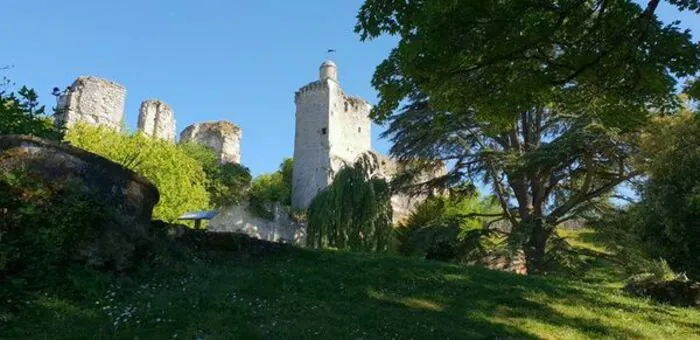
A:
<point x="296" y="293"/>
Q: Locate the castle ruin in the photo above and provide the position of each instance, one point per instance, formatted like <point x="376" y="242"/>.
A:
<point x="223" y="137"/>
<point x="94" y="101"/>
<point x="156" y="120"/>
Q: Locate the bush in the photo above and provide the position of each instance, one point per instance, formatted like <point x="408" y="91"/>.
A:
<point x="438" y="229"/>
<point x="227" y="184"/>
<point x="42" y="226"/>
<point x="179" y="178"/>
<point x="268" y="189"/>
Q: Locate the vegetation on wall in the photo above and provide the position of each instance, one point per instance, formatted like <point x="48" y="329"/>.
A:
<point x="354" y="212"/>
<point x="180" y="179"/>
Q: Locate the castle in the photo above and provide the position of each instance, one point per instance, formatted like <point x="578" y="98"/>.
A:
<point x="332" y="130"/>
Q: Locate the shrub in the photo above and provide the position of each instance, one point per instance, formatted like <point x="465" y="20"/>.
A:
<point x="441" y="228"/>
<point x="268" y="189"/>
<point x="227" y="184"/>
<point x="179" y="178"/>
<point x="42" y="225"/>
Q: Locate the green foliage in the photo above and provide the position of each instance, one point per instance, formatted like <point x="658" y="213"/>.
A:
<point x="668" y="214"/>
<point x="440" y="228"/>
<point x="543" y="101"/>
<point x="354" y="212"/>
<point x="500" y="58"/>
<point x="42" y="226"/>
<point x="268" y="189"/>
<point x="227" y="184"/>
<point x="178" y="177"/>
<point x="21" y="114"/>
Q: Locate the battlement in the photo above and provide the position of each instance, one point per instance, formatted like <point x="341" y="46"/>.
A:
<point x="312" y="87"/>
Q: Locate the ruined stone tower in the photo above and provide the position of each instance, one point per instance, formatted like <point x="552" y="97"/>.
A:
<point x="332" y="129"/>
<point x="157" y="120"/>
<point x="223" y="137"/>
<point x="94" y="101"/>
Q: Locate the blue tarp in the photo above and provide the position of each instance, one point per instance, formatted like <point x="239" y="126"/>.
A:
<point x="198" y="215"/>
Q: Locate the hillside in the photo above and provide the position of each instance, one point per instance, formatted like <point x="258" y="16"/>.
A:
<point x="297" y="293"/>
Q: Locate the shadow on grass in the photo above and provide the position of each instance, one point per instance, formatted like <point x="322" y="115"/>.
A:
<point x="300" y="293"/>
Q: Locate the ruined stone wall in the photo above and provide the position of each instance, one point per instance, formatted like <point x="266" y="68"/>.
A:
<point x="223" y="137"/>
<point x="93" y="101"/>
<point x="311" y="143"/>
<point x="239" y="219"/>
<point x="157" y="120"/>
<point x="349" y="128"/>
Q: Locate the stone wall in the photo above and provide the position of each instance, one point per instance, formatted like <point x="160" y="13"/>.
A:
<point x="239" y="219"/>
<point x="93" y="101"/>
<point x="157" y="120"/>
<point x="332" y="130"/>
<point x="311" y="144"/>
<point x="223" y="137"/>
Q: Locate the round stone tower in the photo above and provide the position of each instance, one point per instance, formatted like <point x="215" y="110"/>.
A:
<point x="328" y="70"/>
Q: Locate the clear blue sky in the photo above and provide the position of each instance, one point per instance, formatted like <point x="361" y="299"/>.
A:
<point x="240" y="61"/>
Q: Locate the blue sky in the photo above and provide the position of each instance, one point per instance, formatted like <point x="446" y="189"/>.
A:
<point x="240" y="61"/>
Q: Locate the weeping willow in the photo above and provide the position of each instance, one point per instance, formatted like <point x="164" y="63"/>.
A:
<point x="352" y="213"/>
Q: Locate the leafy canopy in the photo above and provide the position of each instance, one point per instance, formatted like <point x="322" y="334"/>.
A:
<point x="21" y="114"/>
<point x="500" y="58"/>
<point x="541" y="100"/>
<point x="178" y="177"/>
<point x="227" y="184"/>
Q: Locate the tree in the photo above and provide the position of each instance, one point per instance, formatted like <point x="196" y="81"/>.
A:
<point x="354" y="212"/>
<point x="668" y="214"/>
<point x="272" y="188"/>
<point x="179" y="178"/>
<point x="542" y="100"/>
<point x="227" y="184"/>
<point x="21" y="113"/>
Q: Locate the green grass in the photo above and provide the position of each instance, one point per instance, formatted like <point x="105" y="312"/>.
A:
<point x="325" y="294"/>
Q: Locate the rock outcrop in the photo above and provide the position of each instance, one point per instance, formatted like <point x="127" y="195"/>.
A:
<point x="223" y="137"/>
<point x="94" y="101"/>
<point x="128" y="197"/>
<point x="156" y="120"/>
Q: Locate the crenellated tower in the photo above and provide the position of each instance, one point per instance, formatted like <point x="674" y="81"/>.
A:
<point x="332" y="129"/>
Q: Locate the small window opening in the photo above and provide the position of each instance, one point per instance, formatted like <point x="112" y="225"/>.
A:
<point x="324" y="131"/>
<point x="359" y="129"/>
<point x="346" y="106"/>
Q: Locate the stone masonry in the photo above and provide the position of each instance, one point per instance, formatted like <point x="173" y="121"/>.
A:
<point x="94" y="101"/>
<point x="157" y="120"/>
<point x="223" y="137"/>
<point x="332" y="129"/>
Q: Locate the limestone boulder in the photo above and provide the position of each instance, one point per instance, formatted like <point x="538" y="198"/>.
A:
<point x="128" y="197"/>
<point x="223" y="137"/>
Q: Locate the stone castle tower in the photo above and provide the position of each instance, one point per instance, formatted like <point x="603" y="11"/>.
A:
<point x="332" y="129"/>
<point x="94" y="101"/>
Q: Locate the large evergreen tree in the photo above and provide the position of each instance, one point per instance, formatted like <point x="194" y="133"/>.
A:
<point x="541" y="99"/>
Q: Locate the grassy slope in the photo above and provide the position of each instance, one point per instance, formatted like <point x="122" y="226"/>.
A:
<point x="324" y="294"/>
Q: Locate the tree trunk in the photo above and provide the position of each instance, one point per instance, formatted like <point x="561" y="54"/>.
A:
<point x="536" y="246"/>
